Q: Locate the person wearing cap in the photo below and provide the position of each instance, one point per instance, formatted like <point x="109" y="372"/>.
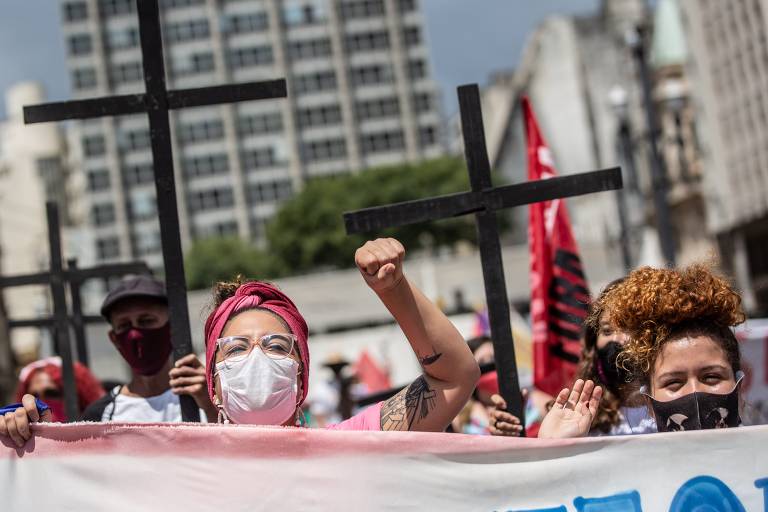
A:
<point x="137" y="311"/>
<point x="257" y="352"/>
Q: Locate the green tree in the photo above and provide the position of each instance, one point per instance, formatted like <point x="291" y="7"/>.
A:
<point x="308" y="231"/>
<point x="221" y="259"/>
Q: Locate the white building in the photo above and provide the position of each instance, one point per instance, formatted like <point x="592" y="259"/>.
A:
<point x="360" y="95"/>
<point x="33" y="169"/>
<point x="728" y="64"/>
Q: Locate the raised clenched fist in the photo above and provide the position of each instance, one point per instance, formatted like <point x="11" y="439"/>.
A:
<point x="380" y="262"/>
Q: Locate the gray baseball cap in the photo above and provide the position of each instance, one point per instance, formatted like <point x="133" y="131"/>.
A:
<point x="138" y="286"/>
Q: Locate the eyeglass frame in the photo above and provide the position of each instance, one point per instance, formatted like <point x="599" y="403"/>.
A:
<point x="258" y="342"/>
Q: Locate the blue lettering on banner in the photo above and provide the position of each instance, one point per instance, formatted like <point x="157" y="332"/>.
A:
<point x="561" y="508"/>
<point x="700" y="494"/>
<point x="763" y="484"/>
<point x="626" y="502"/>
<point x="705" y="494"/>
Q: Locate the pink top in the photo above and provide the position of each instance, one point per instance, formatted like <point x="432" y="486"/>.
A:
<point x="368" y="419"/>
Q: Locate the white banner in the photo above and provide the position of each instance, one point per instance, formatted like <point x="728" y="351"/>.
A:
<point x="230" y="468"/>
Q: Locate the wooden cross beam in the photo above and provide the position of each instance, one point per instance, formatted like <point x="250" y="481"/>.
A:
<point x="156" y="102"/>
<point x="57" y="277"/>
<point x="483" y="201"/>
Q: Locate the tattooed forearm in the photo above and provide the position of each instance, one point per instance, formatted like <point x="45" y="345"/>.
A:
<point x="410" y="405"/>
<point x="431" y="358"/>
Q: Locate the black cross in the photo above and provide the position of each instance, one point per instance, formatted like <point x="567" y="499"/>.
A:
<point x="156" y="102"/>
<point x="59" y="323"/>
<point x="483" y="201"/>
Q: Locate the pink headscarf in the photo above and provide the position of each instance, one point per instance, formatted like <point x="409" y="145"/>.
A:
<point x="248" y="296"/>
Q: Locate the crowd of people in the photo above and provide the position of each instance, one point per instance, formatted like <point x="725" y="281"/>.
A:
<point x="659" y="354"/>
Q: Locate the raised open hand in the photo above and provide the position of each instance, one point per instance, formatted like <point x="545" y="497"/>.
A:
<point x="573" y="411"/>
<point x="381" y="263"/>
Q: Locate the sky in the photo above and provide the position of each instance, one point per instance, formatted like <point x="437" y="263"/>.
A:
<point x="469" y="39"/>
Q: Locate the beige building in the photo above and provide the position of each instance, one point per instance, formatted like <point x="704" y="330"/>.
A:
<point x="728" y="68"/>
<point x="360" y="95"/>
<point x="33" y="169"/>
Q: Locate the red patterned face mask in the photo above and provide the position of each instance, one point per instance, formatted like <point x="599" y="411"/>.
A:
<point x="145" y="350"/>
<point x="489" y="383"/>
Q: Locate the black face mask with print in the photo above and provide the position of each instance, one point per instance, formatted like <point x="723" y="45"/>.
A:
<point x="610" y="373"/>
<point x="697" y="411"/>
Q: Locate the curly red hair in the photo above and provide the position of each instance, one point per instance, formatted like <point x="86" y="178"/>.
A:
<point x="654" y="306"/>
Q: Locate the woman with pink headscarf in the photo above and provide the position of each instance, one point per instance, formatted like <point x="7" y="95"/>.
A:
<point x="257" y="356"/>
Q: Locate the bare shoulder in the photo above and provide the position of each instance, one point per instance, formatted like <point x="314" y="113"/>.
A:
<point x="409" y="407"/>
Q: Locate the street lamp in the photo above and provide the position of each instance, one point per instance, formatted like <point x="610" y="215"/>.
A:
<point x="636" y="41"/>
<point x="674" y="96"/>
<point x="617" y="98"/>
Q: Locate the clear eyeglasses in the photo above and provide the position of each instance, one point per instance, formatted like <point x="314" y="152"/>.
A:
<point x="237" y="348"/>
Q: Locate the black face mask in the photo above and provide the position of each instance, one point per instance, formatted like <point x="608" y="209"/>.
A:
<point x="697" y="411"/>
<point x="611" y="375"/>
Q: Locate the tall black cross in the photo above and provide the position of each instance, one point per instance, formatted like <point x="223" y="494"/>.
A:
<point x="156" y="102"/>
<point x="483" y="201"/>
<point x="57" y="277"/>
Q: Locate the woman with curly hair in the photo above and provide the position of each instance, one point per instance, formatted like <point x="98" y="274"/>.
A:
<point x="681" y="348"/>
<point x="621" y="411"/>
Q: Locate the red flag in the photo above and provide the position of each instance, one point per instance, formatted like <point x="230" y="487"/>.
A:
<point x="559" y="294"/>
<point x="370" y="374"/>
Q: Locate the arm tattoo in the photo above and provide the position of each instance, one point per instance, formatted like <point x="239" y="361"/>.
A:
<point x="413" y="403"/>
<point x="431" y="358"/>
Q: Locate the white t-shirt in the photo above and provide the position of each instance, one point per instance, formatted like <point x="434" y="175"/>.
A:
<point x="154" y="409"/>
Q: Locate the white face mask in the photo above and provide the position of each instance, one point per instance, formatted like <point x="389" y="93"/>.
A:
<point x="258" y="390"/>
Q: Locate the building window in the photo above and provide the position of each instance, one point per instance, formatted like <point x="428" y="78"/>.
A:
<point x="255" y="56"/>
<point x="325" y="150"/>
<point x="422" y="102"/>
<point x="412" y="36"/>
<point x="304" y="12"/>
<point x="126" y="73"/>
<point x="362" y="9"/>
<point x="147" y="242"/>
<point x="202" y="131"/>
<point x="382" y="142"/>
<point x="94" y="146"/>
<point x="187" y="31"/>
<point x="138" y="174"/>
<point x="259" y="159"/>
<point x="74" y="11"/>
<point x="109" y="8"/>
<point x="244" y="23"/>
<point x="135" y="140"/>
<point x="260" y="124"/>
<point x="98" y="180"/>
<point x="370" y="75"/>
<point x="323" y="115"/>
<point x="323" y="81"/>
<point x="417" y="69"/>
<point x="84" y="78"/>
<point x="219" y="229"/>
<point x="367" y="41"/>
<point x="407" y="5"/>
<point x="170" y="4"/>
<point x="107" y="248"/>
<point x="206" y="165"/>
<point x="377" y="108"/>
<point x="142" y="205"/>
<point x="269" y="191"/>
<point x="211" y="199"/>
<point x="122" y="39"/>
<point x="193" y="64"/>
<point x="309" y="49"/>
<point x="427" y="136"/>
<point x="103" y="214"/>
<point x="79" y="44"/>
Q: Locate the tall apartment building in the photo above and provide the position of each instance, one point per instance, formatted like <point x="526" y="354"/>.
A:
<point x="728" y="65"/>
<point x="360" y="95"/>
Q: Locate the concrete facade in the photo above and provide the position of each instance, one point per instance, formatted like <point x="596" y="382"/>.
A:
<point x="728" y="65"/>
<point x="360" y="95"/>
